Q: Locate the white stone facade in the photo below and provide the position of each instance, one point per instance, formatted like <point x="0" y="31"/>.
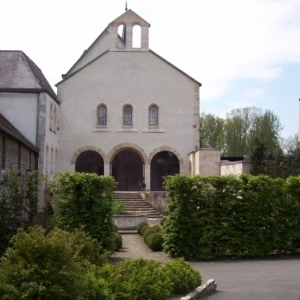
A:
<point x="114" y="74"/>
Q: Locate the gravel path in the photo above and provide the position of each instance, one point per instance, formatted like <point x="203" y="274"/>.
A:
<point x="134" y="247"/>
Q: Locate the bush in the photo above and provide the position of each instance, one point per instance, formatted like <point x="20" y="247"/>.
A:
<point x="144" y="228"/>
<point x="117" y="207"/>
<point x="162" y="221"/>
<point x="95" y="288"/>
<point x="40" y="266"/>
<point x="85" y="199"/>
<point x="118" y="241"/>
<point x="154" y="241"/>
<point x="183" y="277"/>
<point x="157" y="228"/>
<point x="18" y="204"/>
<point x="141" y="226"/>
<point x="147" y="232"/>
<point x="137" y="279"/>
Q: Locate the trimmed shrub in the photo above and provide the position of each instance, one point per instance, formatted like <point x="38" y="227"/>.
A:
<point x="183" y="277"/>
<point x="144" y="228"/>
<point x="40" y="266"/>
<point x="141" y="226"/>
<point x="154" y="241"/>
<point x="137" y="279"/>
<point x="157" y="228"/>
<point x="147" y="232"/>
<point x="85" y="199"/>
<point x="118" y="241"/>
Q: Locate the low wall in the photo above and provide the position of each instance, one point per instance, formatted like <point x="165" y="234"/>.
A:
<point x="158" y="200"/>
<point x="129" y="222"/>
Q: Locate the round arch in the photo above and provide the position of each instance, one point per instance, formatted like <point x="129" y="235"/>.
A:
<point x="127" y="167"/>
<point x="90" y="162"/>
<point x="87" y="148"/>
<point x="163" y="163"/>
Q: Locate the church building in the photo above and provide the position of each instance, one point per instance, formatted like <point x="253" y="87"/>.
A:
<point x="127" y="112"/>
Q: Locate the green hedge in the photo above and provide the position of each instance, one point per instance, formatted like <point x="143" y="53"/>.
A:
<point x="244" y="216"/>
<point x="85" y="200"/>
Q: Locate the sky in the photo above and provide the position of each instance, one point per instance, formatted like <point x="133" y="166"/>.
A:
<point x="246" y="53"/>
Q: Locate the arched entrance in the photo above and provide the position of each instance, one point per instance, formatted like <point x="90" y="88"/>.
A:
<point x="127" y="168"/>
<point x="90" y="162"/>
<point x="162" y="164"/>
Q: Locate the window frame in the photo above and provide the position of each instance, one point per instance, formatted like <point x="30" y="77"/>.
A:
<point x="127" y="117"/>
<point x="153" y="116"/>
<point x="104" y="117"/>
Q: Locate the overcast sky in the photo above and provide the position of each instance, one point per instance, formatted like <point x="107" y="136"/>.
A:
<point x="244" y="52"/>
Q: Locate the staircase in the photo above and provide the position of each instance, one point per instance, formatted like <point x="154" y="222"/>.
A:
<point x="134" y="204"/>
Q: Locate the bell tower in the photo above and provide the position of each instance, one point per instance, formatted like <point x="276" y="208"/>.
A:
<point x="129" y="32"/>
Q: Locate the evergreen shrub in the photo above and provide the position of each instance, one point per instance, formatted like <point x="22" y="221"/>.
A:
<point x="52" y="266"/>
<point x="147" y="232"/>
<point x="183" y="277"/>
<point x="154" y="241"/>
<point x="140" y="226"/>
<point x="146" y="226"/>
<point x="162" y="221"/>
<point x="137" y="279"/>
<point x="157" y="228"/>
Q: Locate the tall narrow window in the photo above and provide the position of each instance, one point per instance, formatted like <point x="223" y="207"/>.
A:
<point x="153" y="115"/>
<point x="102" y="115"/>
<point x="136" y="36"/>
<point x="127" y="115"/>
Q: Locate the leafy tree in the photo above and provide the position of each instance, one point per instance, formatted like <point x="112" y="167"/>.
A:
<point x="243" y="126"/>
<point x="211" y="131"/>
<point x="235" y="135"/>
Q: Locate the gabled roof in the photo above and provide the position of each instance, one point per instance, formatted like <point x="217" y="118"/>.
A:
<point x="7" y="127"/>
<point x="18" y="73"/>
<point x="130" y="14"/>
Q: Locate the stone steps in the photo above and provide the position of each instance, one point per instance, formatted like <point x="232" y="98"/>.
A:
<point x="134" y="204"/>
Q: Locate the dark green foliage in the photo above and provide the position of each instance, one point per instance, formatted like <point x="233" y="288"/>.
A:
<point x="118" y="241"/>
<point x="85" y="199"/>
<point x="162" y="221"/>
<point x="245" y="216"/>
<point x="183" y="277"/>
<point x="147" y="232"/>
<point x="146" y="226"/>
<point x="157" y="228"/>
<point x="141" y="226"/>
<point x="53" y="266"/>
<point x="137" y="279"/>
<point x="95" y="288"/>
<point x="276" y="164"/>
<point x="18" y="204"/>
<point x="154" y="241"/>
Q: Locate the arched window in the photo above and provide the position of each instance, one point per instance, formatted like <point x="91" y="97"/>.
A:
<point x="102" y="115"/>
<point x="136" y="36"/>
<point x="153" y="115"/>
<point x="127" y="116"/>
<point x="55" y="120"/>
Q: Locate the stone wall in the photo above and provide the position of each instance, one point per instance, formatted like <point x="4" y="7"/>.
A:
<point x="158" y="200"/>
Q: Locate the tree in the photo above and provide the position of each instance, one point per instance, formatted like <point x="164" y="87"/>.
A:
<point x="211" y="131"/>
<point x="236" y="134"/>
<point x="243" y="126"/>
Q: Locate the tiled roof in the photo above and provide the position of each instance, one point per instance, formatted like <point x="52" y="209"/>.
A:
<point x="19" y="72"/>
<point x="7" y="127"/>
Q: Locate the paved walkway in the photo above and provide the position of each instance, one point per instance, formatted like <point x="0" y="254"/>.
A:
<point x="263" y="279"/>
